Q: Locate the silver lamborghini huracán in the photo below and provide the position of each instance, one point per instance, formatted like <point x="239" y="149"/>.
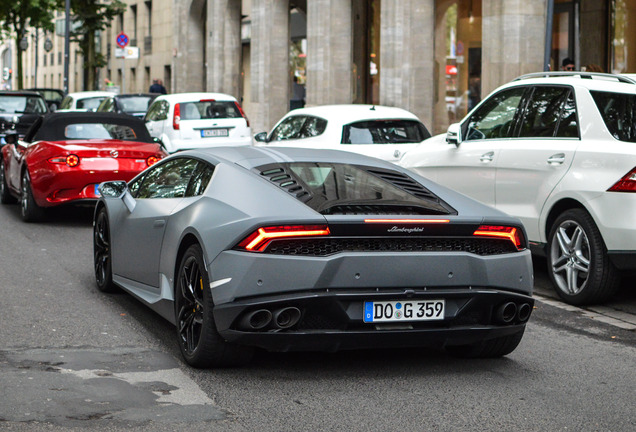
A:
<point x="298" y="249"/>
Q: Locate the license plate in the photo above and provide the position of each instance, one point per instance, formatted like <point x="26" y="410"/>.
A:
<point x="403" y="310"/>
<point x="97" y="190"/>
<point x="207" y="133"/>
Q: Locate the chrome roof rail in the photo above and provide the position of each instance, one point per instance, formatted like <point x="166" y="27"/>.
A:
<point x="580" y="74"/>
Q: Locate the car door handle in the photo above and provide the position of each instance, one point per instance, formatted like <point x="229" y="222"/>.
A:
<point x="159" y="223"/>
<point x="556" y="159"/>
<point x="487" y="157"/>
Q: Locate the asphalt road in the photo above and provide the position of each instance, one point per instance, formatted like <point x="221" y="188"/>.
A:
<point x="72" y="358"/>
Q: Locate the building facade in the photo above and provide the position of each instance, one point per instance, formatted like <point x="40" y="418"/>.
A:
<point x="436" y="58"/>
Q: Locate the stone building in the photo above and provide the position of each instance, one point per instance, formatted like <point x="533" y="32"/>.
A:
<point x="436" y="58"/>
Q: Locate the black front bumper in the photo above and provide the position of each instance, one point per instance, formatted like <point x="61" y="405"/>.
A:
<point x="333" y="320"/>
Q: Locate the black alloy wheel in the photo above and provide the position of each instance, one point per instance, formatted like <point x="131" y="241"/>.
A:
<point x="199" y="341"/>
<point x="5" y="195"/>
<point x="29" y="209"/>
<point x="102" y="253"/>
<point x="578" y="264"/>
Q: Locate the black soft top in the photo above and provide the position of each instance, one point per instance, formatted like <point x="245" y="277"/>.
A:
<point x="51" y="127"/>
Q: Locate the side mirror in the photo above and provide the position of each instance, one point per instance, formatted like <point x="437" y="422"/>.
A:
<point x="261" y="137"/>
<point x="454" y="134"/>
<point x="118" y="189"/>
<point x="11" y="138"/>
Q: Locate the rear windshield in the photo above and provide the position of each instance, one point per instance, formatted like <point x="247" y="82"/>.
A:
<point x="384" y="132"/>
<point x="203" y="110"/>
<point x="22" y="104"/>
<point x="619" y="113"/>
<point x="90" y="103"/>
<point x="333" y="188"/>
<point x="99" y="131"/>
<point x="135" y="104"/>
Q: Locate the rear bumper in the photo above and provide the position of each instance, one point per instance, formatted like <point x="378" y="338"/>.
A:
<point x="623" y="260"/>
<point x="333" y="321"/>
<point x="190" y="144"/>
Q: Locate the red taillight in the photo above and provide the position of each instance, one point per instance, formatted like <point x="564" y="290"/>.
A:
<point x="152" y="160"/>
<point x="70" y="160"/>
<point x="176" y="118"/>
<point x="511" y="233"/>
<point x="238" y="106"/>
<point x="626" y="184"/>
<point x="259" y="239"/>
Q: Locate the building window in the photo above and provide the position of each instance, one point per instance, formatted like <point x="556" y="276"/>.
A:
<point x="44" y="60"/>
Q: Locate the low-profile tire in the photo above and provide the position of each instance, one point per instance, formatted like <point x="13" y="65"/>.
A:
<point x="201" y="344"/>
<point x="102" y="255"/>
<point x="578" y="264"/>
<point x="29" y="209"/>
<point x="490" y="348"/>
<point x="5" y="195"/>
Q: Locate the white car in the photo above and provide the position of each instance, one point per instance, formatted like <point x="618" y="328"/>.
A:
<point x="557" y="150"/>
<point x="83" y="101"/>
<point x="372" y="130"/>
<point x="195" y="120"/>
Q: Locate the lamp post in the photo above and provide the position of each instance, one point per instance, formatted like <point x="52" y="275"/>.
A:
<point x="67" y="38"/>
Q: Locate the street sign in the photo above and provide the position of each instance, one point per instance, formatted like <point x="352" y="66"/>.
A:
<point x="48" y="45"/>
<point x="127" y="53"/>
<point x="122" y="40"/>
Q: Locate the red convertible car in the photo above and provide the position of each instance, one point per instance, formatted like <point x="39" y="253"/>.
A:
<point x="65" y="156"/>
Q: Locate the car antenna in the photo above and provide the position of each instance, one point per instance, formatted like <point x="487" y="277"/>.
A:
<point x="372" y="108"/>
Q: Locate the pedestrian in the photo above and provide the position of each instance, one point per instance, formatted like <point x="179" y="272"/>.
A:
<point x="157" y="87"/>
<point x="567" y="64"/>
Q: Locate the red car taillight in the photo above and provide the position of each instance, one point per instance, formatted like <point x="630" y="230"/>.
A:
<point x="176" y="117"/>
<point x="626" y="184"/>
<point x="152" y="160"/>
<point x="511" y="233"/>
<point x="259" y="239"/>
<point x="70" y="160"/>
<point x="238" y="106"/>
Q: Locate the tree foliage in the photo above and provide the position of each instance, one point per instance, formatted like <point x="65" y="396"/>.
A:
<point x="90" y="17"/>
<point x="17" y="16"/>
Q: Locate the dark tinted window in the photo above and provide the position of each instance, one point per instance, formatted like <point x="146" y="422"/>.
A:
<point x="167" y="180"/>
<point x="619" y="113"/>
<point x="547" y="108"/>
<point x="495" y="117"/>
<point x="333" y="188"/>
<point x="200" y="179"/>
<point x="384" y="132"/>
<point x="298" y="127"/>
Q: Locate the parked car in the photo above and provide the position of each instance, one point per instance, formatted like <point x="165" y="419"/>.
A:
<point x="373" y="130"/>
<point x="52" y="96"/>
<point x="19" y="110"/>
<point x="558" y="151"/>
<point x="196" y="120"/>
<point x="84" y="101"/>
<point x="64" y="157"/>
<point x="134" y="104"/>
<point x="303" y="249"/>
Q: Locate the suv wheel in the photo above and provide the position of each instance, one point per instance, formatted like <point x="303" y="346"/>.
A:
<point x="577" y="260"/>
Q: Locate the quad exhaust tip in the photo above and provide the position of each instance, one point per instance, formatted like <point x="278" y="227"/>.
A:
<point x="508" y="312"/>
<point x="262" y="319"/>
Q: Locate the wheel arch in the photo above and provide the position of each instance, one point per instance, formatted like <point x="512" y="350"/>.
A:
<point x="188" y="240"/>
<point x="558" y="208"/>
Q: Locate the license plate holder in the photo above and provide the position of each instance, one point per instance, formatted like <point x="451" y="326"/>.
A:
<point x="211" y="133"/>
<point x="403" y="310"/>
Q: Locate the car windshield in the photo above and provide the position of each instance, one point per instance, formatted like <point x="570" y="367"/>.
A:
<point x="336" y="188"/>
<point x="135" y="104"/>
<point x="619" y="113"/>
<point x="90" y="103"/>
<point x="384" y="132"/>
<point x="21" y="104"/>
<point x="209" y="109"/>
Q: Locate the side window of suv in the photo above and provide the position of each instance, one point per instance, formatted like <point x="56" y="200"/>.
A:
<point x="550" y="112"/>
<point x="495" y="118"/>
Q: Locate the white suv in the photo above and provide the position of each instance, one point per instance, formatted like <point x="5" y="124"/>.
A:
<point x="194" y="120"/>
<point x="557" y="150"/>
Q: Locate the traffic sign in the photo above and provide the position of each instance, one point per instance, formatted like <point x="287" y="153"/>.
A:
<point x="122" y="40"/>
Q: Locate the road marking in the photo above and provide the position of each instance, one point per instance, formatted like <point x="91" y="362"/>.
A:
<point x="598" y="313"/>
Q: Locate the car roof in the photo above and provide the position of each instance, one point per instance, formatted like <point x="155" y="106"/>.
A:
<point x="19" y="93"/>
<point x="347" y="113"/>
<point x="591" y="80"/>
<point x="196" y="96"/>
<point x="251" y="156"/>
<point x="90" y="94"/>
<point x="54" y="123"/>
<point x="132" y="95"/>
